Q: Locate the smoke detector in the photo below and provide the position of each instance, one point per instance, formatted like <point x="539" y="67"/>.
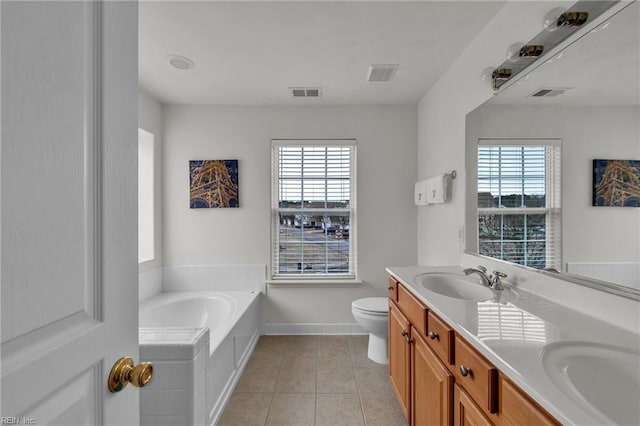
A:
<point x="305" y="92"/>
<point x="382" y="72"/>
<point x="549" y="92"/>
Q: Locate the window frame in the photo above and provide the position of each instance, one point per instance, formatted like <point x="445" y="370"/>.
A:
<point x="552" y="209"/>
<point x="143" y="137"/>
<point x="352" y="276"/>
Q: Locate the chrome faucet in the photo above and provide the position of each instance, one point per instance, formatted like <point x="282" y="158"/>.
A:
<point x="493" y="281"/>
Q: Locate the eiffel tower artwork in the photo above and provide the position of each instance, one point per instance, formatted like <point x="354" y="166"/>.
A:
<point x="213" y="183"/>
<point x="616" y="183"/>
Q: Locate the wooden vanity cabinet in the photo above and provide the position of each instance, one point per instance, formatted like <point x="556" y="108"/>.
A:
<point x="477" y="375"/>
<point x="440" y="379"/>
<point x="432" y="386"/>
<point x="516" y="408"/>
<point x="466" y="412"/>
<point x="399" y="357"/>
<point x="393" y="288"/>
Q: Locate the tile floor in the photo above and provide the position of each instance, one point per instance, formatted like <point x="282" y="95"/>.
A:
<point x="313" y="380"/>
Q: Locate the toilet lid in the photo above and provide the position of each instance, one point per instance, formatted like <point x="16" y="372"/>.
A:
<point x="372" y="304"/>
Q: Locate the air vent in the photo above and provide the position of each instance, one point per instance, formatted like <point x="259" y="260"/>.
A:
<point x="549" y="92"/>
<point x="305" y="92"/>
<point x="382" y="72"/>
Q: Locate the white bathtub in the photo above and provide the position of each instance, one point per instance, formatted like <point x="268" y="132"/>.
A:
<point x="233" y="320"/>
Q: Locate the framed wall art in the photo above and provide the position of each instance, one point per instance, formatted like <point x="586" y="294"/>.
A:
<point x="616" y="183"/>
<point x="213" y="184"/>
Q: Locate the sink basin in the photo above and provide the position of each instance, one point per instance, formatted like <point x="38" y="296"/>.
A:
<point x="600" y="378"/>
<point x="459" y="286"/>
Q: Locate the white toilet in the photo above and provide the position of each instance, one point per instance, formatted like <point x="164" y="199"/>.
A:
<point x="372" y="313"/>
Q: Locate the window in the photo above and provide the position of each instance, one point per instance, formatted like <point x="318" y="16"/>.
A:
<point x="313" y="209"/>
<point x="519" y="216"/>
<point x="146" y="189"/>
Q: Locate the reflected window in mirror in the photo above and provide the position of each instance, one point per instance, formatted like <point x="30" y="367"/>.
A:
<point x="519" y="217"/>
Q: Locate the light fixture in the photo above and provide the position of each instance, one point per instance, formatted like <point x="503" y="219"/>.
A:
<point x="520" y="56"/>
<point x="180" y="62"/>
<point x="487" y="74"/>
<point x="513" y="52"/>
<point x="550" y="20"/>
<point x="499" y="76"/>
<point x="559" y="17"/>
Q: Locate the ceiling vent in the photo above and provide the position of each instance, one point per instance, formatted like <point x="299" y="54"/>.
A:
<point x="306" y="92"/>
<point x="549" y="92"/>
<point x="382" y="72"/>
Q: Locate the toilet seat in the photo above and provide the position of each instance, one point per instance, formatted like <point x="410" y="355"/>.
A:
<point x="372" y="306"/>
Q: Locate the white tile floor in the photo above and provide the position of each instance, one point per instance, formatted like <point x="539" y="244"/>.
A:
<point x="313" y="380"/>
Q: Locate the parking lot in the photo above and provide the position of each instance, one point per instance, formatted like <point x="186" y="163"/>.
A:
<point x="310" y="250"/>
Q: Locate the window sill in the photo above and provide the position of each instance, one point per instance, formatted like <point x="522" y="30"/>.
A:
<point x="295" y="283"/>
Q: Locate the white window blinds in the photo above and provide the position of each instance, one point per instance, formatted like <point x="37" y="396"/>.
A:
<point x="519" y="216"/>
<point x="313" y="209"/>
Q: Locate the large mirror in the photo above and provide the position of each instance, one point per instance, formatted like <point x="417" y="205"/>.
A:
<point x="534" y="145"/>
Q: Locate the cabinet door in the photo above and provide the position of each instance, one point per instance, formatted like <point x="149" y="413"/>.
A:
<point x="466" y="412"/>
<point x="432" y="386"/>
<point x="517" y="408"/>
<point x="399" y="356"/>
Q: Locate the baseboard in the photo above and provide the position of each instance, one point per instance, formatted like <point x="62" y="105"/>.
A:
<point x="309" y="328"/>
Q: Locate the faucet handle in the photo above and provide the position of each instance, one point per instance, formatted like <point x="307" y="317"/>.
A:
<point x="482" y="268"/>
<point x="496" y="280"/>
<point x="499" y="274"/>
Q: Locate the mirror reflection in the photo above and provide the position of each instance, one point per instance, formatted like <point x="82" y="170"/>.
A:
<point x="530" y="160"/>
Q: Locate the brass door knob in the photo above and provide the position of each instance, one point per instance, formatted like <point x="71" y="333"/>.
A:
<point x="124" y="372"/>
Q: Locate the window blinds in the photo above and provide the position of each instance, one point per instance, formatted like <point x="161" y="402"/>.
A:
<point x="519" y="202"/>
<point x="313" y="209"/>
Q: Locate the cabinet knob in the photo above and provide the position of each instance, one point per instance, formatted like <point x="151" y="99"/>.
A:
<point x="465" y="371"/>
<point x="404" y="332"/>
<point x="390" y="287"/>
<point x="409" y="340"/>
<point x="433" y="335"/>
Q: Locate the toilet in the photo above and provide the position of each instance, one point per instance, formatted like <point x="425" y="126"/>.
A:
<point x="372" y="313"/>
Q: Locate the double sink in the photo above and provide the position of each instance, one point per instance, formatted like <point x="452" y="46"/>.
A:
<point x="599" y="378"/>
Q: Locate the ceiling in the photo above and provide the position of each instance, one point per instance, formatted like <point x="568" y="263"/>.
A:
<point x="601" y="69"/>
<point x="250" y="53"/>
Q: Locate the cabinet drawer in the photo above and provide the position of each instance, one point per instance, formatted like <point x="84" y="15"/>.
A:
<point x="440" y="338"/>
<point x="393" y="289"/>
<point x="414" y="310"/>
<point x="476" y="375"/>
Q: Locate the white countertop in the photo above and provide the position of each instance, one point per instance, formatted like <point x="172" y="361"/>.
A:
<point x="514" y="335"/>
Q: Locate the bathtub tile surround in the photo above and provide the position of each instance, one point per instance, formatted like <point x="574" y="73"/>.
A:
<point x="152" y="282"/>
<point x="149" y="283"/>
<point x="174" y="329"/>
<point x="214" y="278"/>
<point x="312" y="380"/>
<point x="178" y="392"/>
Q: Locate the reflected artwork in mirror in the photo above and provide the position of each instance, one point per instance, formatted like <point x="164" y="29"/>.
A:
<point x="584" y="98"/>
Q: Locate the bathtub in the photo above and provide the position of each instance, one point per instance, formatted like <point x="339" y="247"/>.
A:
<point x="232" y="319"/>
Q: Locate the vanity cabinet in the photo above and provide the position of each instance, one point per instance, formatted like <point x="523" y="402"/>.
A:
<point x="466" y="412"/>
<point x="399" y="357"/>
<point x="440" y="379"/>
<point x="477" y="376"/>
<point x="432" y="385"/>
<point x="516" y="408"/>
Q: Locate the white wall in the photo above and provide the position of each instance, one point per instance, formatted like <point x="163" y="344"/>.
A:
<point x="441" y="123"/>
<point x="150" y="118"/>
<point x="589" y="234"/>
<point x="386" y="214"/>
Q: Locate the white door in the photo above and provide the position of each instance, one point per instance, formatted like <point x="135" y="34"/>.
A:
<point x="68" y="210"/>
